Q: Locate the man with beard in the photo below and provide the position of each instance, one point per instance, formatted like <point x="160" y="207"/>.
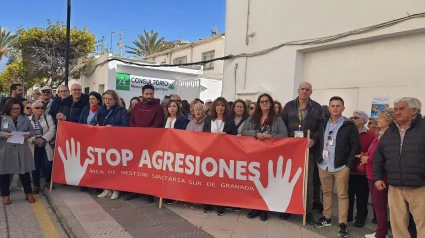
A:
<point x="147" y="113"/>
<point x="16" y="91"/>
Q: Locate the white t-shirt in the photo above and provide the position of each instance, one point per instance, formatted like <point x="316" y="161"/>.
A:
<point x="167" y="124"/>
<point x="217" y="126"/>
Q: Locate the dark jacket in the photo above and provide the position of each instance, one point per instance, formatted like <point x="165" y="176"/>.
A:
<point x="71" y="110"/>
<point x="147" y="115"/>
<point x="84" y="115"/>
<point x="115" y="116"/>
<point x="229" y="126"/>
<point x="347" y="144"/>
<point x="3" y="101"/>
<point x="181" y="123"/>
<point x="313" y="120"/>
<point x="408" y="167"/>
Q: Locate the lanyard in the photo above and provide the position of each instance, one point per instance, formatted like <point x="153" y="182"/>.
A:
<point x="219" y="128"/>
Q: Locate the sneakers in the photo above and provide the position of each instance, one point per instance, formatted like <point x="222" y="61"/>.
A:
<point x="115" y="195"/>
<point x="208" y="208"/>
<point x="343" y="230"/>
<point x="106" y="193"/>
<point x="373" y="235"/>
<point x="323" y="222"/>
<point x="220" y="211"/>
<point x="264" y="216"/>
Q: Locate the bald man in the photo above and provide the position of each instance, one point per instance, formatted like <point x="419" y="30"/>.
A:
<point x="300" y="115"/>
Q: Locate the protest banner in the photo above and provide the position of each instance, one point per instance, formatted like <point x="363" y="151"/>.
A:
<point x="187" y="166"/>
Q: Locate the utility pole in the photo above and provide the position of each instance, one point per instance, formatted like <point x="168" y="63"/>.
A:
<point x="120" y="42"/>
<point x="110" y="48"/>
<point x="68" y="28"/>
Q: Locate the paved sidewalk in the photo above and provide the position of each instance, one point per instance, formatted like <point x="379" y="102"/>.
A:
<point x="85" y="215"/>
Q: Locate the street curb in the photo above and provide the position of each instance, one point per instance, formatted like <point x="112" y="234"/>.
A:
<point x="66" y="217"/>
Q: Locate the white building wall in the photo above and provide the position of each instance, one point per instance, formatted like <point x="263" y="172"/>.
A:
<point x="98" y="81"/>
<point x="382" y="62"/>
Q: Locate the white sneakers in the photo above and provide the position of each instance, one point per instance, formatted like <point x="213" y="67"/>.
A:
<point x="373" y="235"/>
<point x="115" y="195"/>
<point x="108" y="193"/>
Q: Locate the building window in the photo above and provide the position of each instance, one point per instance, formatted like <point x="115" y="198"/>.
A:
<point x="87" y="90"/>
<point x="180" y="60"/>
<point x="208" y="56"/>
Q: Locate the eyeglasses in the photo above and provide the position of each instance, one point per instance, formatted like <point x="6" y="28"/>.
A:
<point x="37" y="93"/>
<point x="28" y="108"/>
<point x="264" y="101"/>
<point x="251" y="108"/>
<point x="38" y="108"/>
<point x="354" y="118"/>
<point x="46" y="92"/>
<point x="16" y="109"/>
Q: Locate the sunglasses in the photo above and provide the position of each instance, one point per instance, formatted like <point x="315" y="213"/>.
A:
<point x="38" y="108"/>
<point x="28" y="108"/>
<point x="46" y="92"/>
<point x="354" y="118"/>
<point x="251" y="108"/>
<point x="330" y="135"/>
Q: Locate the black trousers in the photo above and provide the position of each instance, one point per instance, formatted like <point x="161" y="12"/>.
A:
<point x="5" y="181"/>
<point x="358" y="187"/>
<point x="316" y="186"/>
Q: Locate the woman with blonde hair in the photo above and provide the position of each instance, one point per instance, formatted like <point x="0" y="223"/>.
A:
<point x="44" y="132"/>
<point x="379" y="197"/>
<point x="111" y="114"/>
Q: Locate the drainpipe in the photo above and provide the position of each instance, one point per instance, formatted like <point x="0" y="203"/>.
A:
<point x="236" y="70"/>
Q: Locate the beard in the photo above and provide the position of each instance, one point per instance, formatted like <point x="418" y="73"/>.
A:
<point x="149" y="100"/>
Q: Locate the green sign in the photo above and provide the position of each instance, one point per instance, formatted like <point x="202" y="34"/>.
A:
<point x="123" y="82"/>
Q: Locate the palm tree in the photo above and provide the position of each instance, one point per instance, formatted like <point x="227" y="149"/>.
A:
<point x="147" y="44"/>
<point x="7" y="40"/>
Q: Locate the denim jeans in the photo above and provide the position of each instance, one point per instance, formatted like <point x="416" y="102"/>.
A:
<point x="41" y="161"/>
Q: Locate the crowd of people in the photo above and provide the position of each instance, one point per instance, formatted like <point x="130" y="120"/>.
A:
<point x="384" y="159"/>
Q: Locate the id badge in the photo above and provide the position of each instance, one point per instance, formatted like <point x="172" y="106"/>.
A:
<point x="5" y="125"/>
<point x="325" y="155"/>
<point x="331" y="141"/>
<point x="299" y="134"/>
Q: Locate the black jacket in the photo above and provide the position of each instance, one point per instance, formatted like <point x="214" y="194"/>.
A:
<point x="347" y="144"/>
<point x="181" y="123"/>
<point x="229" y="126"/>
<point x="71" y="110"/>
<point x="408" y="167"/>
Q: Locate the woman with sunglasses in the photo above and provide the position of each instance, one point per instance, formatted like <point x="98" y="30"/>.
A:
<point x="27" y="108"/>
<point x="239" y="114"/>
<point x="111" y="114"/>
<point x="15" y="158"/>
<point x="44" y="131"/>
<point x="264" y="124"/>
<point x="358" y="186"/>
<point x="251" y="108"/>
<point x="220" y="122"/>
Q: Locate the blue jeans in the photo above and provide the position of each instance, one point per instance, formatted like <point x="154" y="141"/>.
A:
<point x="41" y="161"/>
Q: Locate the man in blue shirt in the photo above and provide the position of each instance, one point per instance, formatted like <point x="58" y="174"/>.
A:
<point x="339" y="144"/>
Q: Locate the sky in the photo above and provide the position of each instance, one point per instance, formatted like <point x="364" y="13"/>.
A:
<point x="172" y="19"/>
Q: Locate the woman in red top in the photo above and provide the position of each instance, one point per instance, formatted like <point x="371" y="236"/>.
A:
<point x="357" y="185"/>
<point x="379" y="198"/>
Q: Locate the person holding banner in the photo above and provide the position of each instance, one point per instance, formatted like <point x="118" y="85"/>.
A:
<point x="15" y="157"/>
<point x="339" y="145"/>
<point x="300" y="116"/>
<point x="262" y="125"/>
<point x="44" y="131"/>
<point x="220" y="122"/>
<point x="239" y="114"/>
<point x="174" y="118"/>
<point x="87" y="114"/>
<point x="147" y="113"/>
<point x="197" y="123"/>
<point x="110" y="114"/>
